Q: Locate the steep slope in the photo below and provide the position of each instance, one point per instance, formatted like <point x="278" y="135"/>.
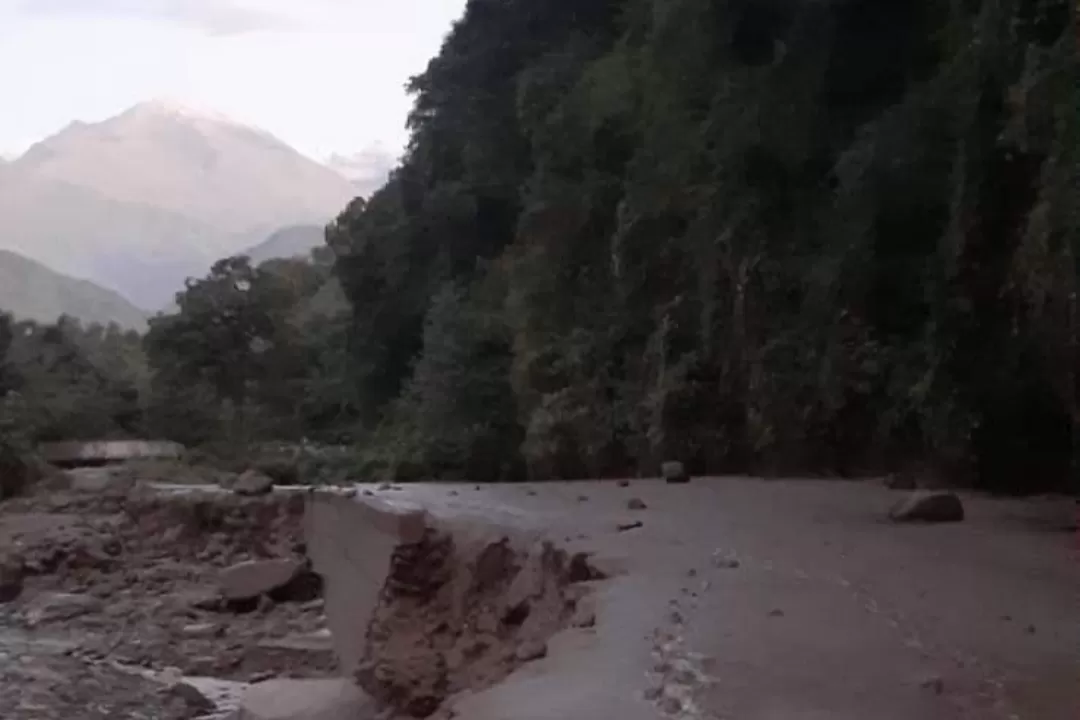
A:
<point x="143" y="200"/>
<point x="31" y="291"/>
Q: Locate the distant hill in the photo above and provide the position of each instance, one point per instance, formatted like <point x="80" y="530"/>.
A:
<point x="288" y="242"/>
<point x="144" y="199"/>
<point x="31" y="291"/>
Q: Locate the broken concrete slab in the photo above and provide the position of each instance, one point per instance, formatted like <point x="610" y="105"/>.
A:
<point x="286" y="699"/>
<point x="350" y="542"/>
<point x="252" y="578"/>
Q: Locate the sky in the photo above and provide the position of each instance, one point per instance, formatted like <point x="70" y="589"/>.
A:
<point x="325" y="76"/>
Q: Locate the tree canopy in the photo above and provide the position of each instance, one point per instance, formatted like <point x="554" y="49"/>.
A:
<point x="757" y="236"/>
<point x="753" y="235"/>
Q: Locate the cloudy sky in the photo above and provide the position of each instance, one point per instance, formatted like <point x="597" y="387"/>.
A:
<point x="324" y="75"/>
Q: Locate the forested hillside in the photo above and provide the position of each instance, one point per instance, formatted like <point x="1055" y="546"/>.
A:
<point x="757" y="235"/>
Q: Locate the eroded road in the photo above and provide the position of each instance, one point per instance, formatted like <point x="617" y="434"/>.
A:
<point x="762" y="600"/>
<point x="724" y="598"/>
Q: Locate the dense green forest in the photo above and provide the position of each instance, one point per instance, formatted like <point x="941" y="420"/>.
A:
<point x="768" y="236"/>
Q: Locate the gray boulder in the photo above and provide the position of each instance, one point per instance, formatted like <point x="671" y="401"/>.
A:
<point x="928" y="507"/>
<point x="321" y="699"/>
<point x="252" y="578"/>
<point x="674" y="472"/>
<point x="253" y="482"/>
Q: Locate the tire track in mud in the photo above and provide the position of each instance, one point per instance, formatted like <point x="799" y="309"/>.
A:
<point x="679" y="677"/>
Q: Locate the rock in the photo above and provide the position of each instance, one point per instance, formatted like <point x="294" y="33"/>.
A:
<point x="253" y="482"/>
<point x="623" y="483"/>
<point x="252" y="578"/>
<point x="673" y="472"/>
<point x="201" y="630"/>
<point x="319" y="641"/>
<point x="636" y="504"/>
<point x="722" y="561"/>
<point x="282" y="699"/>
<point x="531" y="650"/>
<point x="623" y="527"/>
<point x="930" y="507"/>
<point x="584" y="613"/>
<point x="11" y="577"/>
<point x="933" y="683"/>
<point x="54" y="607"/>
<point x="192" y="698"/>
<point x="671" y="705"/>
<point x="776" y="613"/>
<point x="197" y="599"/>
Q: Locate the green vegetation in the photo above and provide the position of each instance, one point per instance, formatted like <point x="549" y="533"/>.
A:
<point x="758" y="236"/>
<point x="767" y="236"/>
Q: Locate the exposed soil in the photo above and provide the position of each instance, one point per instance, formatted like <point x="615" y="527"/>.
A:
<point x="455" y="616"/>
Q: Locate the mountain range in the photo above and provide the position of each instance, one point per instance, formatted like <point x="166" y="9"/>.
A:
<point x="31" y="291"/>
<point x="141" y="201"/>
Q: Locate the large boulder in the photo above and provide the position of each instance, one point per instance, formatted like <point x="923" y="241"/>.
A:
<point x="250" y="579"/>
<point x="674" y="472"/>
<point x="929" y="507"/>
<point x="253" y="482"/>
<point x="323" y="699"/>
